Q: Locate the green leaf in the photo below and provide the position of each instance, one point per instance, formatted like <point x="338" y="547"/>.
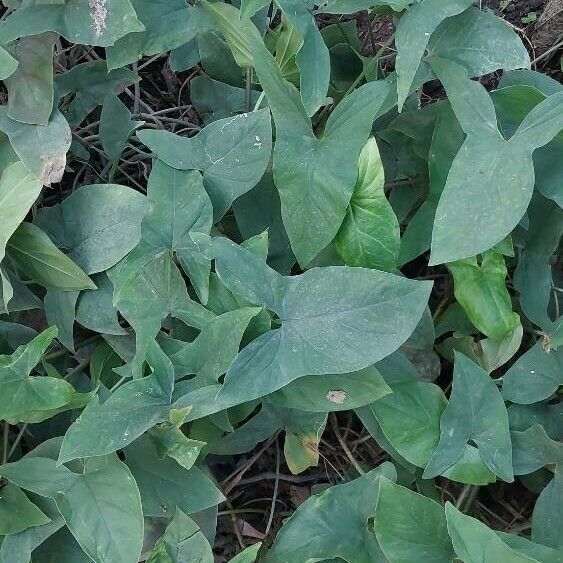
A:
<point x="413" y="34"/>
<point x="130" y="410"/>
<point x="309" y="533"/>
<point x="533" y="449"/>
<point x="469" y="202"/>
<point x="479" y="41"/>
<point x="17" y="512"/>
<point x="480" y="289"/>
<point x="231" y="153"/>
<point x="326" y="393"/>
<point x="165" y="485"/>
<point x="318" y="314"/>
<point x="172" y="442"/>
<point x="248" y="555"/>
<point x="474" y="542"/>
<point x="410" y="527"/>
<point x="30" y="87"/>
<point x="475" y="412"/>
<point x="182" y="542"/>
<point x="167" y="24"/>
<point x="115" y="126"/>
<point x="315" y="176"/>
<point x="535" y="376"/>
<point x="312" y="58"/>
<point x="353" y="6"/>
<point x="547" y="524"/>
<point x="536" y="551"/>
<point x="18" y="190"/>
<point x="8" y="64"/>
<point x="42" y="148"/>
<point x="78" y="21"/>
<point x="369" y="236"/>
<point x="32" y="399"/>
<point x="97" y="224"/>
<point x="104" y="498"/>
<point x="33" y="253"/>
<point x="59" y="311"/>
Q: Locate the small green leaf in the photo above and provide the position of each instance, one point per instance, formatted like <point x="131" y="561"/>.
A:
<point x="37" y="257"/>
<point x="369" y="237"/>
<point x="547" y="521"/>
<point x="533" y="449"/>
<point x="17" y="512"/>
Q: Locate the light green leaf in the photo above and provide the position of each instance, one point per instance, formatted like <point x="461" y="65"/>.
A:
<point x="249" y="7"/>
<point x="547" y="523"/>
<point x="538" y="552"/>
<point x="479" y="41"/>
<point x="104" y="498"/>
<point x="353" y="6"/>
<point x="18" y="192"/>
<point x="32" y="399"/>
<point x="533" y="449"/>
<point x="369" y="237"/>
<point x="167" y="24"/>
<point x="172" y="442"/>
<point x="325" y="327"/>
<point x="231" y="153"/>
<point x="8" y="64"/>
<point x="98" y="224"/>
<point x="535" y="376"/>
<point x="326" y="393"/>
<point x="42" y="148"/>
<point x="129" y="411"/>
<point x="59" y="311"/>
<point x="475" y="412"/>
<point x="78" y="21"/>
<point x="30" y="87"/>
<point x="413" y="34"/>
<point x="17" y="512"/>
<point x="491" y="180"/>
<point x="474" y="542"/>
<point x="308" y="535"/>
<point x="33" y="253"/>
<point x="115" y="126"/>
<point x="249" y="555"/>
<point x="165" y="485"/>
<point x="480" y="289"/>
<point x="182" y="542"/>
<point x="315" y="176"/>
<point x="410" y="527"/>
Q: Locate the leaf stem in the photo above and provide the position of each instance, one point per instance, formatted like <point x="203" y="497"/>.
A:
<point x="343" y="445"/>
<point x="5" y="436"/>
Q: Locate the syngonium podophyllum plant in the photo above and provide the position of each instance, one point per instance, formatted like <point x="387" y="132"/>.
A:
<point x="179" y="287"/>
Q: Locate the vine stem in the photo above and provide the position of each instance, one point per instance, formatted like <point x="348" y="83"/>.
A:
<point x="5" y="442"/>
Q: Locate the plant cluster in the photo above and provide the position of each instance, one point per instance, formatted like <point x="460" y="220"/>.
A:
<point x="300" y="229"/>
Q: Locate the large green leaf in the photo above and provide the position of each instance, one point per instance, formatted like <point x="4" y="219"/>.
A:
<point x="165" y="485"/>
<point x="37" y="257"/>
<point x="310" y="532"/>
<point x="33" y="399"/>
<point x="325" y="326"/>
<point x="129" y="411"/>
<point x="369" y="236"/>
<point x="97" y="224"/>
<point x="232" y="154"/>
<point x="474" y="542"/>
<point x="535" y="376"/>
<point x="491" y="180"/>
<point x="413" y="34"/>
<point x="480" y="289"/>
<point x="410" y="527"/>
<point x="42" y="148"/>
<point x="79" y="21"/>
<point x="30" y="87"/>
<point x="314" y="175"/>
<point x="475" y="412"/>
<point x="104" y="498"/>
<point x="533" y="449"/>
<point x="479" y="41"/>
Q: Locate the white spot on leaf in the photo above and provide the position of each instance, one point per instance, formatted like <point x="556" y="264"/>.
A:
<point x="336" y="396"/>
